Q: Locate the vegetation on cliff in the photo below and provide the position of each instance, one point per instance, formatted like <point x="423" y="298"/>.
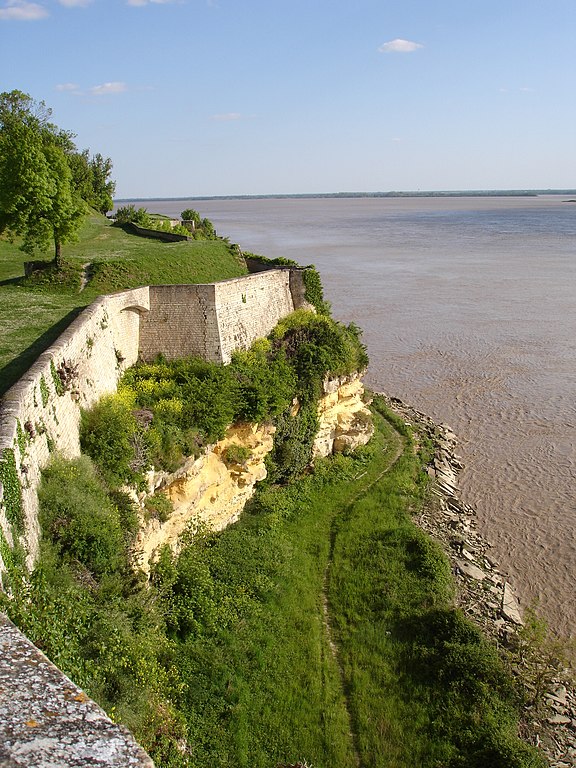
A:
<point x="165" y="411"/>
<point x="320" y="627"/>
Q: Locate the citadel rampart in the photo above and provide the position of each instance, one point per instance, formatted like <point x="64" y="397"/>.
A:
<point x="44" y="717"/>
<point x="41" y="412"/>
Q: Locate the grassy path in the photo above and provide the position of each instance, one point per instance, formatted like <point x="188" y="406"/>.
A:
<point x="391" y="461"/>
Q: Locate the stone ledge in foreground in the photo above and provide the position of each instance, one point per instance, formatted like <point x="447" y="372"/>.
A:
<point x="48" y="722"/>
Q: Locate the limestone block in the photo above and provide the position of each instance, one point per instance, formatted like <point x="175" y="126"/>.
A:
<point x="46" y="720"/>
<point x="207" y="491"/>
<point x="345" y="423"/>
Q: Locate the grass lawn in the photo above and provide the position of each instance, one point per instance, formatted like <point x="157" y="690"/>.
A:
<point x="33" y="315"/>
<point x="332" y="637"/>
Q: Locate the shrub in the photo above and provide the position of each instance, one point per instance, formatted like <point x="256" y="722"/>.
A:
<point x="111" y="436"/>
<point x="127" y="514"/>
<point x="129" y="214"/>
<point x="314" y="291"/>
<point x="236" y="454"/>
<point x="159" y="507"/>
<point x="79" y="517"/>
<point x="191" y="215"/>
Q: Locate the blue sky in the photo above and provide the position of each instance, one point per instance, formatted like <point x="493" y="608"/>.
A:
<point x="219" y="97"/>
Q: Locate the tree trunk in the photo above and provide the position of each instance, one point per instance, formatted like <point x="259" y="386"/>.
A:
<point x="57" y="254"/>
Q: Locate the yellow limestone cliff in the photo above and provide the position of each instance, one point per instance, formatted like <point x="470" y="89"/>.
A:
<point x="345" y="420"/>
<point x="207" y="490"/>
<point x="211" y="491"/>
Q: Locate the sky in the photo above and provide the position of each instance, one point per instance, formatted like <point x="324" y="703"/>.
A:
<point x="240" y="97"/>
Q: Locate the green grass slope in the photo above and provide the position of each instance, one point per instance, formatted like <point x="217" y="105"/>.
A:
<point x="34" y="312"/>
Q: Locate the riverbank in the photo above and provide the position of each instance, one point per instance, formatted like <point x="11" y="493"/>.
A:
<point x="453" y="296"/>
<point x="485" y="595"/>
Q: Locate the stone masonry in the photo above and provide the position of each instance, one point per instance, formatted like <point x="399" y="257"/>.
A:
<point x="41" y="412"/>
<point x="45" y="720"/>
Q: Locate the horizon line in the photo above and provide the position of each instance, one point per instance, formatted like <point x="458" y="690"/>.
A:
<point x="414" y="193"/>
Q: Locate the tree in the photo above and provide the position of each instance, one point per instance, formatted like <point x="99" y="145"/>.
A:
<point x="38" y="201"/>
<point x="91" y="179"/>
<point x="102" y="187"/>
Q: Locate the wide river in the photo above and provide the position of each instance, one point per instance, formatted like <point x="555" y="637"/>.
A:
<point x="468" y="307"/>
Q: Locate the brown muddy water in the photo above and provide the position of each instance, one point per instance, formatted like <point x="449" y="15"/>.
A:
<point x="468" y="307"/>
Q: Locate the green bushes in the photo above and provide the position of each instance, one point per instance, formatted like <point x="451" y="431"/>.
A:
<point x="112" y="437"/>
<point x="236" y="454"/>
<point x="79" y="517"/>
<point x="159" y="507"/>
<point x="129" y="214"/>
<point x="165" y="411"/>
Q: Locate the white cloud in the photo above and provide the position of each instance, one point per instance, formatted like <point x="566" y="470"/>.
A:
<point x="75" y="3"/>
<point x="21" y="10"/>
<point x="228" y="116"/>
<point x="106" y="89"/>
<point x="139" y="3"/>
<point x="69" y="87"/>
<point x="514" y="90"/>
<point x="399" y="46"/>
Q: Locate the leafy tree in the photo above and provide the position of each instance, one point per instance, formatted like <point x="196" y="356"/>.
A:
<point x="38" y="201"/>
<point x="79" y="163"/>
<point x="191" y="215"/>
<point x="91" y="179"/>
<point x="102" y="187"/>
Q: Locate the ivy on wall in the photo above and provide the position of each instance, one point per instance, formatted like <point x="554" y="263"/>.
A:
<point x="58" y="383"/>
<point x="44" y="391"/>
<point x="12" y="492"/>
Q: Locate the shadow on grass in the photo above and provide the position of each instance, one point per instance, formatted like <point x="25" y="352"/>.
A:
<point x="17" y="367"/>
<point x="13" y="280"/>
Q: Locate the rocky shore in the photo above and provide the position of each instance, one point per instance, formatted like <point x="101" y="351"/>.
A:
<point x="485" y="595"/>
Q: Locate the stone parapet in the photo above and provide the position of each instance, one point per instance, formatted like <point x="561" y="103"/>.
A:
<point x="47" y="721"/>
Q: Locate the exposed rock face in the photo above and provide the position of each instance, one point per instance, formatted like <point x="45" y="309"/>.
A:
<point x="213" y="492"/>
<point x="345" y="421"/>
<point x="206" y="490"/>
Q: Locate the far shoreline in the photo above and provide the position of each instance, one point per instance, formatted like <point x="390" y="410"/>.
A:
<point x="361" y="195"/>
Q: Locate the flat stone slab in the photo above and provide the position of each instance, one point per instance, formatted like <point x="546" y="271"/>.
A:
<point x="469" y="569"/>
<point x="48" y="722"/>
<point x="510" y="606"/>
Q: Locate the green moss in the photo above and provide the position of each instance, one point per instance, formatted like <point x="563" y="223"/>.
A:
<point x="44" y="391"/>
<point x="12" y="490"/>
<point x="57" y="381"/>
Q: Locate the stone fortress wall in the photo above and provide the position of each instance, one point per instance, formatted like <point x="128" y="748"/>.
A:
<point x="41" y="412"/>
<point x="46" y="718"/>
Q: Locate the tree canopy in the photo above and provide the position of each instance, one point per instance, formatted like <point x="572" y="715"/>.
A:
<point x="45" y="182"/>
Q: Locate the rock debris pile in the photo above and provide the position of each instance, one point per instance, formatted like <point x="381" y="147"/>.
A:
<point x="482" y="590"/>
